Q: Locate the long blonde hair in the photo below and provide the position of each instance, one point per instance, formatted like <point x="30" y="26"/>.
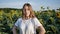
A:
<point x="32" y="15"/>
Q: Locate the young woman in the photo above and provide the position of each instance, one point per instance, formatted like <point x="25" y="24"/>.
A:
<point x="28" y="23"/>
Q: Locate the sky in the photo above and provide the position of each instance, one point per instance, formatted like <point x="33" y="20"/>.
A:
<point x="36" y="4"/>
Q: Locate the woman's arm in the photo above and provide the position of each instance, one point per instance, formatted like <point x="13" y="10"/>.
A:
<point x="14" y="30"/>
<point x="42" y="30"/>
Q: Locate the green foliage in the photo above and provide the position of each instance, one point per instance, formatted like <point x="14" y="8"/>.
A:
<point x="49" y="19"/>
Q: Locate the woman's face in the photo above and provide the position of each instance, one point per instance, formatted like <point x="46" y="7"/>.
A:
<point x="26" y="10"/>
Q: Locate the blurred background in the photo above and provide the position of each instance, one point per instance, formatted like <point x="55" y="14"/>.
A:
<point x="47" y="11"/>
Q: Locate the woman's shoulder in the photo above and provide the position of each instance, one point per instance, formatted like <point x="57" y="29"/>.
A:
<point x="19" y="19"/>
<point x="34" y="18"/>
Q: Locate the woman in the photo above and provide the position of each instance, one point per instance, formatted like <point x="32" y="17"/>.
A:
<point x="28" y="23"/>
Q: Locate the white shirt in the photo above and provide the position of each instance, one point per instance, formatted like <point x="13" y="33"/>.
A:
<point x="27" y="26"/>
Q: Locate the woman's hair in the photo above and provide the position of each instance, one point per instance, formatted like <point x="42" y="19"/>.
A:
<point x="32" y="15"/>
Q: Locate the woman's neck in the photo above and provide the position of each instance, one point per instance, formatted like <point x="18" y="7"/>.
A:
<point x="27" y="17"/>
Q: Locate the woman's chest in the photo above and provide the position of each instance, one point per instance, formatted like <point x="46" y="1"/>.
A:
<point x="28" y="24"/>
